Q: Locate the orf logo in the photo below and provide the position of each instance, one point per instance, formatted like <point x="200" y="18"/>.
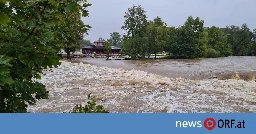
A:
<point x="209" y="123"/>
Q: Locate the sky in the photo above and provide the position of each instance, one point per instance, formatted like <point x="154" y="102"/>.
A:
<point x="107" y="16"/>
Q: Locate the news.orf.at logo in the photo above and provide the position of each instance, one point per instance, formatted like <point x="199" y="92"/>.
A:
<point x="211" y="124"/>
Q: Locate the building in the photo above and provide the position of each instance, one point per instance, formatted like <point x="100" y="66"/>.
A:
<point x="98" y="48"/>
<point x="76" y="54"/>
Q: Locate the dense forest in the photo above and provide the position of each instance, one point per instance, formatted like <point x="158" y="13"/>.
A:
<point x="191" y="40"/>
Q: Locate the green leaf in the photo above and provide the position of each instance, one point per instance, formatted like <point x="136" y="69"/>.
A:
<point x="52" y="1"/>
<point x="4" y="19"/>
<point x="72" y="7"/>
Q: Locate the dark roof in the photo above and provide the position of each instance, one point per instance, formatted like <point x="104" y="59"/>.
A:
<point x="99" y="47"/>
<point x="114" y="47"/>
<point x="86" y="46"/>
<point x="99" y="41"/>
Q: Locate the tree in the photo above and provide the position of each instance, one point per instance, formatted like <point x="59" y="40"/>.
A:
<point x="171" y="39"/>
<point x="157" y="36"/>
<point x="191" y="39"/>
<point x="115" y="39"/>
<point x="217" y="41"/>
<point x="73" y="31"/>
<point x="242" y="40"/>
<point x="184" y="47"/>
<point x="107" y="49"/>
<point x="135" y="26"/>
<point x="30" y="38"/>
<point x="86" y="42"/>
<point x="239" y="38"/>
<point x="252" y="46"/>
<point x="230" y="31"/>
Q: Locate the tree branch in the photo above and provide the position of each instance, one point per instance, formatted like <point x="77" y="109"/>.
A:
<point x="30" y="33"/>
<point x="42" y="15"/>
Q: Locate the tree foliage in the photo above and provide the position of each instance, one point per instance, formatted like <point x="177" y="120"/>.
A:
<point x="190" y="39"/>
<point x="240" y="39"/>
<point x="107" y="48"/>
<point x="171" y="39"/>
<point x="31" y="34"/>
<point x="217" y="41"/>
<point x="156" y="36"/>
<point x="135" y="26"/>
<point x="86" y="42"/>
<point x="73" y="31"/>
<point x="115" y="39"/>
<point x="90" y="107"/>
<point x="252" y="46"/>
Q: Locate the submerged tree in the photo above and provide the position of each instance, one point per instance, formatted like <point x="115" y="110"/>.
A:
<point x="107" y="49"/>
<point x="135" y="26"/>
<point x="217" y="41"/>
<point x="171" y="39"/>
<point x="240" y="39"/>
<point x="156" y="36"/>
<point x="191" y="41"/>
<point x="252" y="45"/>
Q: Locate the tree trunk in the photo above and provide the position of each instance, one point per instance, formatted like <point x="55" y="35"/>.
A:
<point x="107" y="57"/>
<point x="155" y="55"/>
<point x="68" y="55"/>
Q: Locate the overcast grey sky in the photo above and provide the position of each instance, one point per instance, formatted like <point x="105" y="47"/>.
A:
<point x="107" y="16"/>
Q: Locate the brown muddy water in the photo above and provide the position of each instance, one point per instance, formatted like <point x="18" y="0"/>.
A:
<point x="194" y="69"/>
<point x="134" y="91"/>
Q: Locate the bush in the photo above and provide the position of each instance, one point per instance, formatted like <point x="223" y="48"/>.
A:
<point x="90" y="107"/>
<point x="212" y="53"/>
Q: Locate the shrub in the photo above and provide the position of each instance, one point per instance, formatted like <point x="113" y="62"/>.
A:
<point x="212" y="53"/>
<point x="90" y="107"/>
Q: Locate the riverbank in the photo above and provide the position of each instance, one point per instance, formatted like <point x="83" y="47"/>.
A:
<point x="120" y="90"/>
<point x="194" y="69"/>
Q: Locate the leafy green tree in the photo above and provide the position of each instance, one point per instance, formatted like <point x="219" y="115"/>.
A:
<point x="239" y="38"/>
<point x="115" y="39"/>
<point x="243" y="39"/>
<point x="135" y="26"/>
<point x="217" y="40"/>
<point x="184" y="47"/>
<point x="107" y="49"/>
<point x="73" y="31"/>
<point x="157" y="36"/>
<point x="191" y="40"/>
<point x="30" y="38"/>
<point x="212" y="53"/>
<point x="171" y="39"/>
<point x="252" y="46"/>
<point x="230" y="32"/>
<point x="86" y="42"/>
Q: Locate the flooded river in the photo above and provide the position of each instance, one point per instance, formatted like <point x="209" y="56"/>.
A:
<point x="185" y="68"/>
<point x="134" y="91"/>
